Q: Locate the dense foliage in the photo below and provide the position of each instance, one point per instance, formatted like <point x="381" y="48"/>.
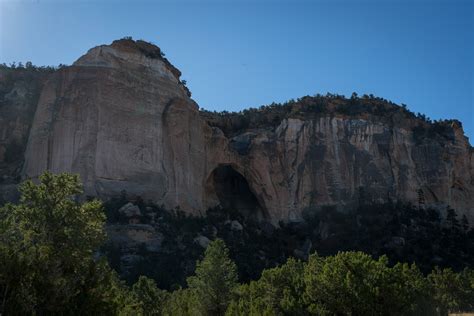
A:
<point x="353" y="283"/>
<point x="403" y="232"/>
<point x="46" y="252"/>
<point x="50" y="265"/>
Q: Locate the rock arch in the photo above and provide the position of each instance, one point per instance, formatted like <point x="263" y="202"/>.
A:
<point x="230" y="188"/>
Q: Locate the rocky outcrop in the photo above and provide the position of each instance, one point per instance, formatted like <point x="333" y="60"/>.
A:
<point x="330" y="160"/>
<point x="122" y="119"/>
<point x="19" y="92"/>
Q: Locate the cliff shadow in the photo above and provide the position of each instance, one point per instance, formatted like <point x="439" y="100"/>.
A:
<point x="233" y="192"/>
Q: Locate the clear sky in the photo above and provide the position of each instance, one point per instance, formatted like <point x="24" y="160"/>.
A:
<point x="237" y="54"/>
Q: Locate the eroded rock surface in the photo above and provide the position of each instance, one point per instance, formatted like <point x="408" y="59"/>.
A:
<point x="121" y="118"/>
<point x="123" y="121"/>
<point x="19" y="92"/>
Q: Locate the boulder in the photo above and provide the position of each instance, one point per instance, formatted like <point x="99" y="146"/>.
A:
<point x="130" y="210"/>
<point x="202" y="241"/>
<point x="236" y="226"/>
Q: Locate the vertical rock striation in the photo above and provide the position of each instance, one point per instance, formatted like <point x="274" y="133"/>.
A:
<point x="121" y="118"/>
<point x="19" y="92"/>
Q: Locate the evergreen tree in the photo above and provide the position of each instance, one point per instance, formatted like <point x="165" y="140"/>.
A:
<point x="278" y="291"/>
<point x="465" y="223"/>
<point x="151" y="299"/>
<point x="182" y="302"/>
<point x="352" y="283"/>
<point x="451" y="218"/>
<point x="215" y="280"/>
<point x="452" y="292"/>
<point x="421" y="199"/>
<point x="46" y="252"/>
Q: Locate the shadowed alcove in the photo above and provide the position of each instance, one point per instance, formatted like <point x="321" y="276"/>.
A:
<point x="233" y="192"/>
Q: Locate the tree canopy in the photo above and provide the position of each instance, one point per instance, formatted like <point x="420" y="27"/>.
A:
<point x="215" y="280"/>
<point x="50" y="263"/>
<point x="48" y="242"/>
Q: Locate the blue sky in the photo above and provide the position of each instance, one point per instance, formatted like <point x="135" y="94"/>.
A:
<point x="237" y="54"/>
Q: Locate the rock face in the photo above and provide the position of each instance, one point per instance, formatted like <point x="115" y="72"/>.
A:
<point x="19" y="92"/>
<point x="306" y="163"/>
<point x="123" y="121"/>
<point x="121" y="118"/>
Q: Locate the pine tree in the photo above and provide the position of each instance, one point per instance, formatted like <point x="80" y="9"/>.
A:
<point x="215" y="280"/>
<point x="451" y="218"/>
<point x="464" y="223"/>
<point x="421" y="199"/>
<point x="151" y="299"/>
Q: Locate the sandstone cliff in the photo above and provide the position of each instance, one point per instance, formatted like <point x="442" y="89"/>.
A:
<point x="121" y="118"/>
<point x="19" y="92"/>
<point x="106" y="117"/>
<point x="309" y="159"/>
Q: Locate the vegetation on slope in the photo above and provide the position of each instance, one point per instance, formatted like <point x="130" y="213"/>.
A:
<point x="367" y="107"/>
<point x="403" y="232"/>
<point x="50" y="265"/>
